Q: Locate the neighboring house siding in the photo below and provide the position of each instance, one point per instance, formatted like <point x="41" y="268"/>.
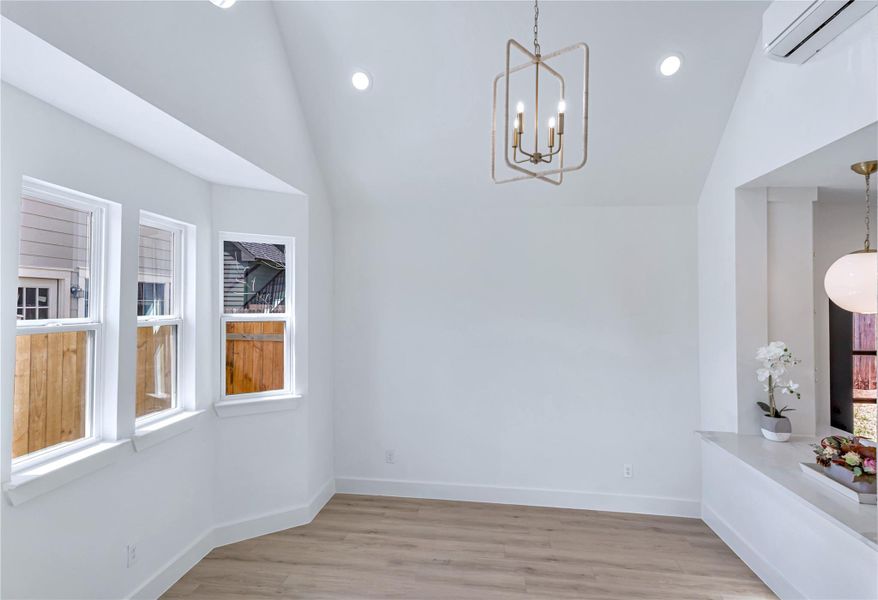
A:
<point x="249" y="266"/>
<point x="53" y="237"/>
<point x="54" y="244"/>
<point x="233" y="279"/>
<point x="156" y="255"/>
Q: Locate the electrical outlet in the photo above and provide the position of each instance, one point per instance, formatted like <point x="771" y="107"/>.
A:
<point x="390" y="456"/>
<point x="132" y="555"/>
<point x="627" y="471"/>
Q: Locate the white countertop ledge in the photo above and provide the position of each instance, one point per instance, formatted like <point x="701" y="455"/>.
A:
<point x="36" y="481"/>
<point x="159" y="431"/>
<point x="779" y="462"/>
<point x="254" y="406"/>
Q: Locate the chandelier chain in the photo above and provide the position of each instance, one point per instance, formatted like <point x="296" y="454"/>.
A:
<point x="536" y="27"/>
<point x="868" y="210"/>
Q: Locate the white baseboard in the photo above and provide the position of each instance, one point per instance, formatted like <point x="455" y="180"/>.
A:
<point x="168" y="575"/>
<point x="255" y="526"/>
<point x="753" y="559"/>
<point x="652" y="505"/>
<point x="231" y="532"/>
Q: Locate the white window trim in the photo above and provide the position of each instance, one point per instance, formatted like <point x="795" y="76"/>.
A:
<point x="48" y="476"/>
<point x="288" y="317"/>
<point x="181" y="285"/>
<point x="54" y="194"/>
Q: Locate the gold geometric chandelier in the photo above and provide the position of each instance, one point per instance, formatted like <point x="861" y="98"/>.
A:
<point x="530" y="158"/>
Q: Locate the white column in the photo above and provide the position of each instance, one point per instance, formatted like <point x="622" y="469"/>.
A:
<point x="791" y="292"/>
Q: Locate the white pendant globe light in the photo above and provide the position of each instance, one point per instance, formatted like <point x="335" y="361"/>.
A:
<point x="852" y="281"/>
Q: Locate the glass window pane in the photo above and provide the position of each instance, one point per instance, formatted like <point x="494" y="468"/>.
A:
<point x="155" y="272"/>
<point x="865" y="420"/>
<point x="254" y="357"/>
<point x="55" y="248"/>
<point x="864" y="377"/>
<point x="864" y="332"/>
<point x="156" y="369"/>
<point x="50" y="390"/>
<point x="254" y="276"/>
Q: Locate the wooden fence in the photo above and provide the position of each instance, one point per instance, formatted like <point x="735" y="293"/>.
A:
<point x="254" y="356"/>
<point x="50" y="377"/>
<point x="155" y="360"/>
<point x="49" y="397"/>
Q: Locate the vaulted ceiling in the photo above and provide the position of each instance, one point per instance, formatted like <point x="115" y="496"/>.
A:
<point x="421" y="135"/>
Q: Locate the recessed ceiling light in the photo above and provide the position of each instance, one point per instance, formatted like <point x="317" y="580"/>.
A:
<point x="670" y="65"/>
<point x="223" y="3"/>
<point x="361" y="81"/>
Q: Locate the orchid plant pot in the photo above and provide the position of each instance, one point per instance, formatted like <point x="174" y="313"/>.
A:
<point x="776" y="429"/>
<point x="776" y="358"/>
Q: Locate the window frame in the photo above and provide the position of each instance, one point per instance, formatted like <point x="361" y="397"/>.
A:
<point x="177" y="316"/>
<point x="94" y="323"/>
<point x="287" y="317"/>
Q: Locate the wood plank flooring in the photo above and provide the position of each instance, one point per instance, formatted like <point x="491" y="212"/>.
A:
<point x="378" y="547"/>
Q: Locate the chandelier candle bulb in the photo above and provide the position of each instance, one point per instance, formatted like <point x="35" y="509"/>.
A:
<point x="562" y="106"/>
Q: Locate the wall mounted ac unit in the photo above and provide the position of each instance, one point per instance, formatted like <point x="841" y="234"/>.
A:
<point x="795" y="30"/>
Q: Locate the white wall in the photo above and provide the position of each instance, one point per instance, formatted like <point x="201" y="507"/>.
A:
<point x="838" y="229"/>
<point x="222" y="472"/>
<point x="84" y="527"/>
<point x="538" y="347"/>
<point x="782" y="112"/>
<point x="263" y="459"/>
<point x="790" y="295"/>
<point x="226" y="471"/>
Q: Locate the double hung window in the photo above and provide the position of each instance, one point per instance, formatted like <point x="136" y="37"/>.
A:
<point x="256" y="315"/>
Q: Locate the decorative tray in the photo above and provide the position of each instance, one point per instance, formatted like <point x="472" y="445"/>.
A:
<point x="820" y="474"/>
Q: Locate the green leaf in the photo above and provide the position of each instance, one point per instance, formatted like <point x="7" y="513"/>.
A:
<point x="764" y="406"/>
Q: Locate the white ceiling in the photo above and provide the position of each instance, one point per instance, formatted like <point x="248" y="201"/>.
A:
<point x="422" y="133"/>
<point x="38" y="68"/>
<point x="829" y="168"/>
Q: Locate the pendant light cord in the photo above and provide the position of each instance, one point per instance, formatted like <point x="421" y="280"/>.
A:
<point x="868" y="211"/>
<point x="536" y="27"/>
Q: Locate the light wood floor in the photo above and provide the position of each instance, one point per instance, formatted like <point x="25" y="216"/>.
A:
<point x="373" y="547"/>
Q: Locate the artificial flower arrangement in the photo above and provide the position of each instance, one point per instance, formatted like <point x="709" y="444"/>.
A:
<point x="776" y="358"/>
<point x="847" y="453"/>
